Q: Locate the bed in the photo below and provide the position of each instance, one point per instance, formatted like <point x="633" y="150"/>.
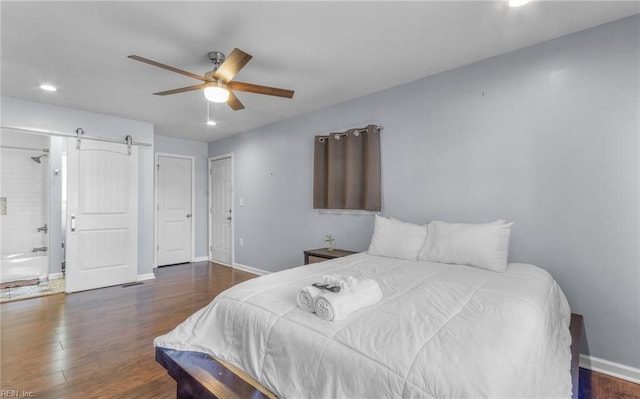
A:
<point x="441" y="331"/>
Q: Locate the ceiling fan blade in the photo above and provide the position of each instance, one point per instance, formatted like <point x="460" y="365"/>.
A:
<point x="181" y="90"/>
<point x="169" y="68"/>
<point x="257" y="89"/>
<point x="234" y="103"/>
<point x="232" y="65"/>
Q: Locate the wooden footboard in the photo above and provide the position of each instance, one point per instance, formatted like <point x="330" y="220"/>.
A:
<point x="199" y="376"/>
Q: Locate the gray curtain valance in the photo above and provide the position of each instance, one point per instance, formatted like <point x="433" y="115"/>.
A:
<point x="346" y="172"/>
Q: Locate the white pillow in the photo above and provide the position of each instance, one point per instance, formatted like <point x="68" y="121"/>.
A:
<point x="481" y="245"/>
<point x="396" y="239"/>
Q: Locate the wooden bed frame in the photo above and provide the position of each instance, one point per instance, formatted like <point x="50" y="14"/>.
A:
<point x="200" y="376"/>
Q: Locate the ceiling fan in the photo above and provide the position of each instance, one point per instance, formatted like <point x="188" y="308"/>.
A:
<point x="217" y="84"/>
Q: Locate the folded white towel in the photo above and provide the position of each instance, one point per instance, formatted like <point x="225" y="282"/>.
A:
<point x="307" y="296"/>
<point x="338" y="306"/>
<point x="341" y="280"/>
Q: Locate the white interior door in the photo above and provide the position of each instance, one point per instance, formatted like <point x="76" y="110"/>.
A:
<point x="102" y="215"/>
<point x="175" y="214"/>
<point x="220" y="206"/>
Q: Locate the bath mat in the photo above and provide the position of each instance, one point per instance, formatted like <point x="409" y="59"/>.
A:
<point x="19" y="283"/>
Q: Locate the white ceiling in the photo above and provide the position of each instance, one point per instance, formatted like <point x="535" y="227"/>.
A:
<point x="328" y="52"/>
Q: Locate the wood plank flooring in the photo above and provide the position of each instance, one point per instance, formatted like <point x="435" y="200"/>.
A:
<point x="599" y="386"/>
<point x="98" y="344"/>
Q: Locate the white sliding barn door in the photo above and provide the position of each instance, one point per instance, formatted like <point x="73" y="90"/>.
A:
<point x="102" y="215"/>
<point x="220" y="207"/>
<point x="175" y="216"/>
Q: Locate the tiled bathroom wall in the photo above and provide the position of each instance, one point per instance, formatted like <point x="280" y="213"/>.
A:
<point x="24" y="191"/>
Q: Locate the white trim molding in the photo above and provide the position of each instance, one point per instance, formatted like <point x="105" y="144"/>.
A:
<point x="54" y="276"/>
<point x="146" y="276"/>
<point x="221" y="263"/>
<point x="610" y="368"/>
<point x="250" y="269"/>
<point x="201" y="259"/>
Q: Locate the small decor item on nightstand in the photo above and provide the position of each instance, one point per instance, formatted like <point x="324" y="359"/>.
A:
<point x="331" y="241"/>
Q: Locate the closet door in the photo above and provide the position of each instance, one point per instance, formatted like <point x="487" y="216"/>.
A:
<point x="174" y="212"/>
<point x="220" y="194"/>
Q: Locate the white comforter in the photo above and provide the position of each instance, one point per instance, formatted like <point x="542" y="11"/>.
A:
<point x="441" y="331"/>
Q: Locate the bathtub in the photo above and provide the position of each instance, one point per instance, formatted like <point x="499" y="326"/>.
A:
<point x="24" y="266"/>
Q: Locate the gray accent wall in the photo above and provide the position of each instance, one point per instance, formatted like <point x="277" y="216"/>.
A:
<point x="546" y="137"/>
<point x="199" y="151"/>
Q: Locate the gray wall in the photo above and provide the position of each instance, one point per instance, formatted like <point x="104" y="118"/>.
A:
<point x="49" y="117"/>
<point x="546" y="137"/>
<point x="198" y="150"/>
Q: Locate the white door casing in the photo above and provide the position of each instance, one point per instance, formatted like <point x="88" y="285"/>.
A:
<point x="174" y="196"/>
<point x="102" y="215"/>
<point x="220" y="205"/>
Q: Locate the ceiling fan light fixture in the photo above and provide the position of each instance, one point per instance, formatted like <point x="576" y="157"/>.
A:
<point x="216" y="94"/>
<point x="215" y="84"/>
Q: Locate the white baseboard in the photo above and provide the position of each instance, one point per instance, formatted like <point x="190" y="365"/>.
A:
<point x="53" y="276"/>
<point x="147" y="276"/>
<point x="610" y="368"/>
<point x="200" y="258"/>
<point x="221" y="264"/>
<point x="250" y="269"/>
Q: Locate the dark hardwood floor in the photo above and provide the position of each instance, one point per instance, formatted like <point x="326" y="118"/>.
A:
<point x="599" y="386"/>
<point x="98" y="344"/>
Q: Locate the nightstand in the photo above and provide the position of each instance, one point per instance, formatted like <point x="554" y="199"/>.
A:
<point x="322" y="254"/>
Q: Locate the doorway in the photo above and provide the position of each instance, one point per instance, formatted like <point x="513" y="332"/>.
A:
<point x="174" y="209"/>
<point x="27" y="183"/>
<point x="221" y="209"/>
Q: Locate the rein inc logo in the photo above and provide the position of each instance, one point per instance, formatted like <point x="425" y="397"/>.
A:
<point x="15" y="393"/>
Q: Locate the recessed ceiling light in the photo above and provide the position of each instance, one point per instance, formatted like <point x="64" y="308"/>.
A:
<point x="517" y="3"/>
<point x="211" y="123"/>
<point x="48" y="87"/>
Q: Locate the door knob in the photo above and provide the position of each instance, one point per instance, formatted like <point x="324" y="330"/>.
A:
<point x="188" y="215"/>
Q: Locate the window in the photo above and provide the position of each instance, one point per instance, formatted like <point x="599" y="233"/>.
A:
<point x="346" y="171"/>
